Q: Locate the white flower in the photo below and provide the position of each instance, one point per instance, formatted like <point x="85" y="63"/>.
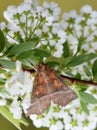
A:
<point x="20" y="82"/>
<point x="52" y="42"/>
<point x="26" y="102"/>
<point x="2" y="25"/>
<point x="37" y="122"/>
<point x="24" y="7"/>
<point x="12" y="41"/>
<point x="92" y="90"/>
<point x="15" y="88"/>
<point x="45" y="29"/>
<point x="71" y="14"/>
<point x="10" y="12"/>
<point x="28" y="1"/>
<point x="77" y="30"/>
<point x="3" y="102"/>
<point x="54" y="9"/>
<point x="64" y="24"/>
<point x="44" y="42"/>
<point x="49" y="20"/>
<point x="89" y="124"/>
<point x="93" y="14"/>
<point x="57" y="126"/>
<point x="72" y="125"/>
<point x="46" y="122"/>
<point x="59" y="50"/>
<point x="18" y="66"/>
<point x="55" y="28"/>
<point x="13" y="28"/>
<point x="94" y="45"/>
<point x="72" y="40"/>
<point x="33" y="2"/>
<point x="62" y="36"/>
<point x="86" y="9"/>
<point x="16" y="110"/>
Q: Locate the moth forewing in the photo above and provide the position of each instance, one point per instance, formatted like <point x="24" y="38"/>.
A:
<point x="49" y="86"/>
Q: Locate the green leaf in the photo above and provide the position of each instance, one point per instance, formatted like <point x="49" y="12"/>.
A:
<point x="2" y="41"/>
<point x="20" y="48"/>
<point x="77" y="60"/>
<point x="81" y="87"/>
<point x="26" y="63"/>
<point x="84" y="107"/>
<point x="24" y="121"/>
<point x="8" y="49"/>
<point x="7" y="64"/>
<point x="25" y="55"/>
<point x="16" y="122"/>
<point x="94" y="70"/>
<point x="2" y="71"/>
<point x="6" y="113"/>
<point x="34" y="60"/>
<point x="31" y="61"/>
<point x="41" y="52"/>
<point x="66" y="50"/>
<point x="52" y="63"/>
<point x="81" y="41"/>
<point x="3" y="91"/>
<point x="88" y="98"/>
<point x="87" y="71"/>
<point x="77" y="76"/>
<point x="69" y="73"/>
<point x="33" y="57"/>
<point x="35" y="53"/>
<point x="2" y="81"/>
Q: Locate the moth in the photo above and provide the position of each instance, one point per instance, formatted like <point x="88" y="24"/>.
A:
<point x="49" y="86"/>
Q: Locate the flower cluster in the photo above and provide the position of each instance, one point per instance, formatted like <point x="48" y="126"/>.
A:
<point x="81" y="28"/>
<point x="27" y="21"/>
<point x="17" y="91"/>
<point x="70" y="117"/>
<point x="81" y="34"/>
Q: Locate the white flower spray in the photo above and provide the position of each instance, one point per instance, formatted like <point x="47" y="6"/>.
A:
<point x="70" y="117"/>
<point x="19" y="87"/>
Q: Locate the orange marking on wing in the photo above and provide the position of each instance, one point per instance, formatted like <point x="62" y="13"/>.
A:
<point x="57" y="84"/>
<point x="40" y="80"/>
<point x="46" y="80"/>
<point x="52" y="76"/>
<point x="41" y="89"/>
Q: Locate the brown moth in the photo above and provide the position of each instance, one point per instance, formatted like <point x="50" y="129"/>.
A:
<point x="49" y="86"/>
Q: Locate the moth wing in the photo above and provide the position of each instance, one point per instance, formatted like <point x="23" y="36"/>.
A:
<point x="39" y="106"/>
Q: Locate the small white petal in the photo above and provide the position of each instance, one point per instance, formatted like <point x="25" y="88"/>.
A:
<point x="3" y="102"/>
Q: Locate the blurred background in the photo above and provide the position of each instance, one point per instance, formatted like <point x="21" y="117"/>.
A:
<point x="66" y="5"/>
